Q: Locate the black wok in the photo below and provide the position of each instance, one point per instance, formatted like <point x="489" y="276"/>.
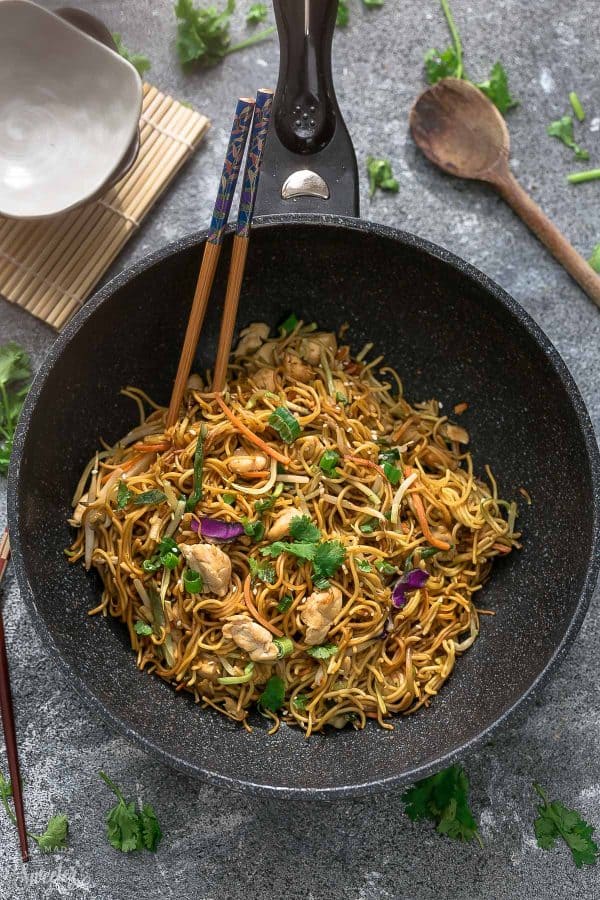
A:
<point x="453" y="334"/>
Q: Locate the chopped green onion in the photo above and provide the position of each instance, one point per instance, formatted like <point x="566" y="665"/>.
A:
<point x="229" y="499"/>
<point x="196" y="495"/>
<point x="576" y="105"/>
<point x="264" y="572"/>
<point x="285" y="424"/>
<point x="239" y="679"/>
<point x="123" y="495"/>
<point x="170" y="560"/>
<point x="285" y="603"/>
<point x="152" y="564"/>
<point x="579" y="177"/>
<point x="328" y="463"/>
<point x="594" y="261"/>
<point x="284" y="645"/>
<point x="290" y="323"/>
<point x="149" y="498"/>
<point x="363" y="566"/>
<point x="392" y="473"/>
<point x="368" y="527"/>
<point x="192" y="581"/>
<point x="385" y="568"/>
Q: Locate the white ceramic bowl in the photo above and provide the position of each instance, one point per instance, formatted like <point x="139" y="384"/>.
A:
<point x="69" y="109"/>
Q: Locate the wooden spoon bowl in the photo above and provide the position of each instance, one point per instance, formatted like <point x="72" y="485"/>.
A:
<point x="460" y="130"/>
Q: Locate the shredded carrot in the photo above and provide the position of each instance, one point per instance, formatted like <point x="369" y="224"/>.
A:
<point x="501" y="548"/>
<point x="365" y="462"/>
<point x="152" y="448"/>
<point x="460" y="408"/>
<point x="255" y="613"/>
<point x="420" y="514"/>
<point x="253" y="438"/>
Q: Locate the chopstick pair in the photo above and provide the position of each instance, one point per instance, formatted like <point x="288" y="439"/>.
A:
<point x="248" y="112"/>
<point x="8" y="719"/>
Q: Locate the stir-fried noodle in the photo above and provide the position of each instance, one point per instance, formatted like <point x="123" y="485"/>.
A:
<point x="309" y="543"/>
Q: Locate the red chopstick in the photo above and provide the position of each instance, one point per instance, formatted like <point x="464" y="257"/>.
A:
<point x="8" y="719"/>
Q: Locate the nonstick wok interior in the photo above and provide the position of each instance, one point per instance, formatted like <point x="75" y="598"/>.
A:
<point x="452" y="335"/>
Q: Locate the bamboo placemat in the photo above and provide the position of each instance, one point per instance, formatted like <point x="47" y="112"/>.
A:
<point x="50" y="267"/>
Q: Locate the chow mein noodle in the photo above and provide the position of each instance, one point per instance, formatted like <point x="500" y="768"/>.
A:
<point x="308" y="544"/>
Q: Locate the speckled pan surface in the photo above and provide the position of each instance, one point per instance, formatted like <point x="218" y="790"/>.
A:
<point x="454" y="335"/>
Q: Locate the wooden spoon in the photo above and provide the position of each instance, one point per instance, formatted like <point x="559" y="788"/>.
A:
<point x="462" y="132"/>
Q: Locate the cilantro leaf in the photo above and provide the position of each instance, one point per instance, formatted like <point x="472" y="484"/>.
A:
<point x="555" y="820"/>
<point x="55" y="835"/>
<point x="380" y="176"/>
<point x="137" y="60"/>
<point x="343" y="14"/>
<point x="327" y="559"/>
<point x="256" y="14"/>
<point x="203" y="33"/>
<point x="255" y="530"/>
<point x="151" y="832"/>
<point x="444" y="798"/>
<point x="363" y="566"/>
<point x="385" y="568"/>
<point x="323" y="651"/>
<point x="300" y="701"/>
<point x="142" y="627"/>
<point x="441" y="64"/>
<point x="302" y="529"/>
<point x="127" y="828"/>
<point x="563" y="130"/>
<point x="594" y="259"/>
<point x="264" y="573"/>
<point x="496" y="88"/>
<point x="15" y="374"/>
<point x="273" y="695"/>
<point x="301" y="549"/>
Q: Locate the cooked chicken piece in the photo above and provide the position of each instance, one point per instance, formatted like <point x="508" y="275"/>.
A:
<point x="251" y="637"/>
<point x="213" y="565"/>
<point x="295" y="368"/>
<point x="456" y="433"/>
<point x="265" y="379"/>
<point x="281" y="525"/>
<point x="194" y="383"/>
<point x="311" y="347"/>
<point x="243" y="461"/>
<point x="251" y="338"/>
<point x="266" y="353"/>
<point x="318" y="613"/>
<point x="208" y="668"/>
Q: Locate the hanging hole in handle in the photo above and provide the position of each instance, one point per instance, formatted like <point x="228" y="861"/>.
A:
<point x="305" y="183"/>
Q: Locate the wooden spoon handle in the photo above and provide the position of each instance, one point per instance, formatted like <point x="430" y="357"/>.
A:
<point x="577" y="267"/>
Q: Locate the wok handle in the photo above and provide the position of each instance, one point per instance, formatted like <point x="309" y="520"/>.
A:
<point x="309" y="164"/>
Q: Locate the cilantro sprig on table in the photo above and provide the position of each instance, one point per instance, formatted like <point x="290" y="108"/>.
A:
<point x="15" y="377"/>
<point x="129" y="828"/>
<point x="444" y="798"/>
<point x="343" y="12"/>
<point x="57" y="829"/>
<point x="203" y="33"/>
<point x="449" y="63"/>
<point x="557" y="821"/>
<point x="562" y="129"/>
<point x="137" y="60"/>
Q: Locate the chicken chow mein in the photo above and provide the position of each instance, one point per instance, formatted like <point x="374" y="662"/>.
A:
<point x="308" y="543"/>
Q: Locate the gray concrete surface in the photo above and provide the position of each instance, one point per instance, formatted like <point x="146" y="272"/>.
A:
<point x="221" y="845"/>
